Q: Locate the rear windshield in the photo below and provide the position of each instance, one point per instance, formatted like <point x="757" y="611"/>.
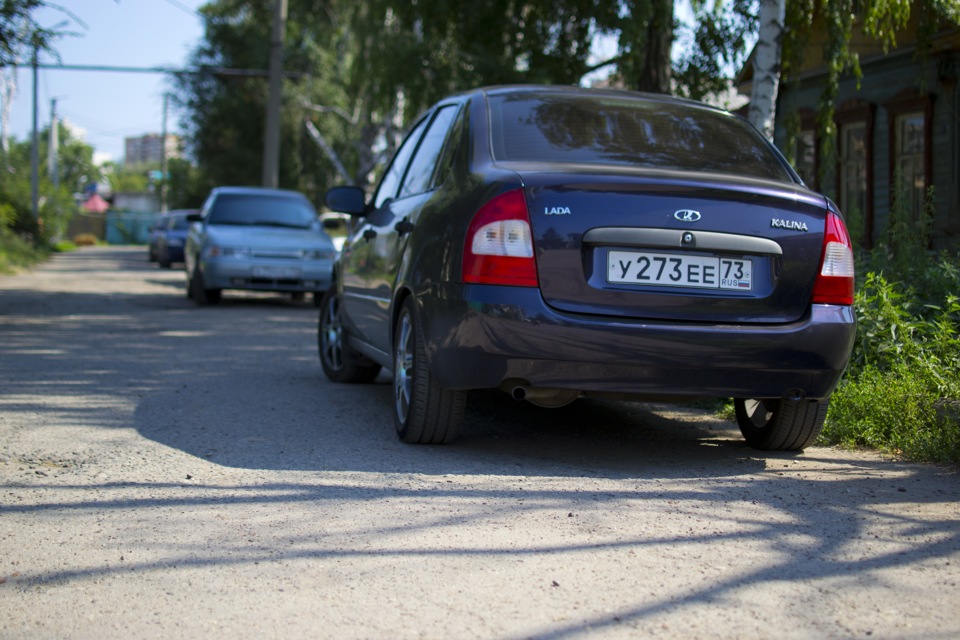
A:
<point x="265" y="210"/>
<point x="606" y="130"/>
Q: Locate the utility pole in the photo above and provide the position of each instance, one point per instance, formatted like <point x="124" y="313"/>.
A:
<point x="35" y="147"/>
<point x="53" y="149"/>
<point x="163" y="157"/>
<point x="271" y="141"/>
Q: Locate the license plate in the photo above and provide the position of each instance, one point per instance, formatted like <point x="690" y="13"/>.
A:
<point x="679" y="270"/>
<point x="284" y="273"/>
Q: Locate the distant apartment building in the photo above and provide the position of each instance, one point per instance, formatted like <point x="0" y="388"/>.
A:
<point x="149" y="148"/>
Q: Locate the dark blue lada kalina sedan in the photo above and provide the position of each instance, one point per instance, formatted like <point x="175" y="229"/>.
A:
<point x="558" y="242"/>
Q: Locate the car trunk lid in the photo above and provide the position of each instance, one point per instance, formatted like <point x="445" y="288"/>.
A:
<point x="674" y="246"/>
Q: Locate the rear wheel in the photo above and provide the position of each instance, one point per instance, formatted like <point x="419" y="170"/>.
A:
<point x="423" y="413"/>
<point x="199" y="293"/>
<point x="339" y="361"/>
<point x="780" y="424"/>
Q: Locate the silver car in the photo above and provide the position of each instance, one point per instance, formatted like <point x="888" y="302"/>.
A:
<point x="258" y="240"/>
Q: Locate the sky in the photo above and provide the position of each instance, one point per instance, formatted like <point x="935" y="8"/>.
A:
<point x="109" y="106"/>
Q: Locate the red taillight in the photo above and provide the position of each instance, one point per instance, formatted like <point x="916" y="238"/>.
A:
<point x="499" y="247"/>
<point x="834" y="284"/>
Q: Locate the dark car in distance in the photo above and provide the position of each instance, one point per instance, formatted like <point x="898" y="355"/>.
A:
<point x="558" y="242"/>
<point x="256" y="239"/>
<point x="171" y="236"/>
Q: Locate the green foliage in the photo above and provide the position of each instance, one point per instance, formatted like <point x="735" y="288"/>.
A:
<point x="124" y="179"/>
<point x="20" y="33"/>
<point x="18" y="253"/>
<point x="713" y="46"/>
<point x="898" y="411"/>
<point x="186" y="186"/>
<point x="903" y="371"/>
<point x="56" y="206"/>
<point x="362" y="71"/>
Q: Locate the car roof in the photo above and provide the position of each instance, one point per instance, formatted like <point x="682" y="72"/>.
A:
<point x="258" y="191"/>
<point x="552" y="89"/>
<point x="165" y="215"/>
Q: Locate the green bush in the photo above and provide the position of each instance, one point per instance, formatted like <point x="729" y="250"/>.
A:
<point x="904" y="364"/>
<point x="17" y="253"/>
<point x="894" y="411"/>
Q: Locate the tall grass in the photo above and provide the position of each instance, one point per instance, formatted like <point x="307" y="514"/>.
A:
<point x="17" y="253"/>
<point x="901" y="391"/>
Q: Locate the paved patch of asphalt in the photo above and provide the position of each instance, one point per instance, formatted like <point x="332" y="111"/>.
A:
<point x="181" y="472"/>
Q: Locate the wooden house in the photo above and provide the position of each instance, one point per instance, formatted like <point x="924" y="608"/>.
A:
<point x="900" y="119"/>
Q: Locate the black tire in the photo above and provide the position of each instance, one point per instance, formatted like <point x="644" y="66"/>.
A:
<point x="199" y="293"/>
<point x="339" y="361"/>
<point x="423" y="412"/>
<point x="783" y="425"/>
<point x="163" y="259"/>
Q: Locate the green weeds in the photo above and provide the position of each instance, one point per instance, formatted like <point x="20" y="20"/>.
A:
<point x="901" y="391"/>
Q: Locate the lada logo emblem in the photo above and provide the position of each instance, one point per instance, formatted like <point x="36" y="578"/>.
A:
<point x="686" y="215"/>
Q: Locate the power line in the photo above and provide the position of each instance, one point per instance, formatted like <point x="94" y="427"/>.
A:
<point x="203" y="70"/>
<point x="183" y="7"/>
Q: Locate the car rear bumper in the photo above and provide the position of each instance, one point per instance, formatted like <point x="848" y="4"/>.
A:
<point x="305" y="276"/>
<point x="484" y="337"/>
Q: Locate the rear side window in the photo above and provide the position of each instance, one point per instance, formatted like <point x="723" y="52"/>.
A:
<point x="616" y="130"/>
<point x="420" y="173"/>
<point x="391" y="179"/>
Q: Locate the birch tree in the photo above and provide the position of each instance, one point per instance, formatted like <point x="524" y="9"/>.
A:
<point x="766" y="66"/>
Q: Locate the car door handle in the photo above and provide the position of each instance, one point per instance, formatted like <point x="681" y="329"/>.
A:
<point x="369" y="234"/>
<point x="404" y="226"/>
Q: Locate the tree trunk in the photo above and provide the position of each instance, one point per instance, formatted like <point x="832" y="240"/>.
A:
<point x="766" y="67"/>
<point x="655" y="70"/>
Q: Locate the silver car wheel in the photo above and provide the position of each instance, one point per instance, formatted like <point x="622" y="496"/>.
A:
<point x="333" y="334"/>
<point x="340" y="363"/>
<point x="403" y="368"/>
<point x="784" y="424"/>
<point x="757" y="411"/>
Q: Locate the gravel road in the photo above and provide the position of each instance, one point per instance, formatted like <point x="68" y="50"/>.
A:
<point x="182" y="472"/>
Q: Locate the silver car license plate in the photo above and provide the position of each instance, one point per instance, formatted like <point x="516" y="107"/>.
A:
<point x="284" y="273"/>
<point x="679" y="270"/>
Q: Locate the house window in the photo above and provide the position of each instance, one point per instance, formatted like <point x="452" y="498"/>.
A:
<point x="854" y="177"/>
<point x="910" y="120"/>
<point x="853" y="169"/>
<point x="910" y="160"/>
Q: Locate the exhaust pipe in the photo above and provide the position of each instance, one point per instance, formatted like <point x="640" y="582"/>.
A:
<point x="547" y="398"/>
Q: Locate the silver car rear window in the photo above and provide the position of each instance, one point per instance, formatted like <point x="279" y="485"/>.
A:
<point x="590" y="129"/>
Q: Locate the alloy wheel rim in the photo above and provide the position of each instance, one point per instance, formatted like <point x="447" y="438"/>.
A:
<point x="333" y="336"/>
<point x="758" y="412"/>
<point x="403" y="370"/>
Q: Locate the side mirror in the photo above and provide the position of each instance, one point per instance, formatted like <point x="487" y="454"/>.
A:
<point x="332" y="224"/>
<point x="194" y="217"/>
<point x="349" y="200"/>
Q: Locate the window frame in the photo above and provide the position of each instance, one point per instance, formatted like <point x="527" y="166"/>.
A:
<point x="907" y="103"/>
<point x="808" y="122"/>
<point x="432" y="178"/>
<point x="856" y="112"/>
